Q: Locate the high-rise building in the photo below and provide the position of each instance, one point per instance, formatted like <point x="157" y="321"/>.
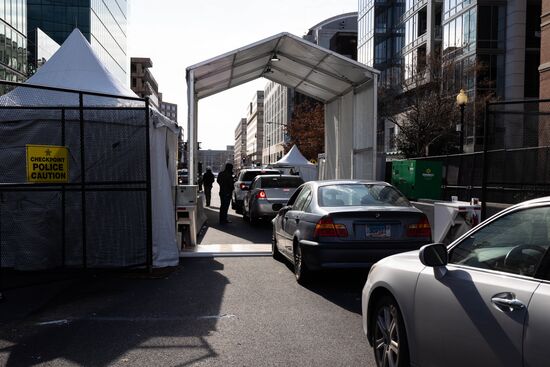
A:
<point x="240" y="144"/>
<point x="102" y="22"/>
<point x="255" y="128"/>
<point x="494" y="48"/>
<point x="142" y="81"/>
<point x="13" y="40"/>
<point x="381" y="36"/>
<point x="278" y="106"/>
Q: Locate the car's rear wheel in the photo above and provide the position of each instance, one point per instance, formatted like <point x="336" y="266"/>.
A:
<point x="389" y="338"/>
<point x="274" y="250"/>
<point x="301" y="272"/>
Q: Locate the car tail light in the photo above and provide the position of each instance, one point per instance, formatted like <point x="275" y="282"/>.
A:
<point x="327" y="228"/>
<point x="261" y="195"/>
<point x="243" y="186"/>
<point x="420" y="229"/>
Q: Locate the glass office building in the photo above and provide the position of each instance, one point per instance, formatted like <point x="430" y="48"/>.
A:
<point x="13" y="40"/>
<point x="102" y="22"/>
<point x="380" y="37"/>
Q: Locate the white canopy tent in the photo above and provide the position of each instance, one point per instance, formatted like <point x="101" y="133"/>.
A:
<point x="347" y="88"/>
<point x="295" y="160"/>
<point x="75" y="67"/>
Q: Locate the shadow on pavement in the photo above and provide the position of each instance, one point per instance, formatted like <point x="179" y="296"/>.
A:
<point x="242" y="231"/>
<point x="341" y="287"/>
<point x="108" y="319"/>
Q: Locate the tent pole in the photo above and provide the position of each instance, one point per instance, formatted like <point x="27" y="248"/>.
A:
<point x="191" y="118"/>
<point x="149" y="188"/>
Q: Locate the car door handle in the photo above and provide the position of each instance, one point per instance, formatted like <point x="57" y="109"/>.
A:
<point x="507" y="302"/>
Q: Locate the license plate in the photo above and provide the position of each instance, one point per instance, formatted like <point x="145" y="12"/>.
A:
<point x="378" y="230"/>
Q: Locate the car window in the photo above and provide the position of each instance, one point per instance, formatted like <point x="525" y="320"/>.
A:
<point x="307" y="204"/>
<point x="515" y="243"/>
<point x="360" y="195"/>
<point x="301" y="199"/>
<point x="250" y="175"/>
<point x="280" y="182"/>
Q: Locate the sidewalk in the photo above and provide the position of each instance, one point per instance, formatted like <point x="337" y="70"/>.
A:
<point x="238" y="238"/>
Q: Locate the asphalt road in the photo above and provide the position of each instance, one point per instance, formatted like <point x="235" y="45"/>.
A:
<point x="225" y="311"/>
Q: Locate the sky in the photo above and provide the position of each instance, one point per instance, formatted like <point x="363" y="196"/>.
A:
<point x="176" y="34"/>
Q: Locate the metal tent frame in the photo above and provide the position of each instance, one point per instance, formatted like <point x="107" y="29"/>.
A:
<point x="347" y="88"/>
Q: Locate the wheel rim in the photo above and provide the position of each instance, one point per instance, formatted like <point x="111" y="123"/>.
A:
<point x="386" y="337"/>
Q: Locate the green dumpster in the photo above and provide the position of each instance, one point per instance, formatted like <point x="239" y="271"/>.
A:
<point x="418" y="179"/>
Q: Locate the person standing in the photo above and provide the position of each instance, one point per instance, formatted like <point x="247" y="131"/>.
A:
<point x="208" y="180"/>
<point x="225" y="180"/>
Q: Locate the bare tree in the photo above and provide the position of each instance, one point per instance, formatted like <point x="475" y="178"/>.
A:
<point x="423" y="109"/>
<point x="307" y="129"/>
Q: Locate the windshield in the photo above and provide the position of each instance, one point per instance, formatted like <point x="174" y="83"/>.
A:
<point x="249" y="175"/>
<point x="286" y="182"/>
<point x="360" y="195"/>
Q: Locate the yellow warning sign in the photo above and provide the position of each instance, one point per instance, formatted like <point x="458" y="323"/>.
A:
<point x="47" y="163"/>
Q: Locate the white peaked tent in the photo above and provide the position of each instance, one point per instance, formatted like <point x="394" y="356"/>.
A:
<point x="295" y="159"/>
<point x="77" y="67"/>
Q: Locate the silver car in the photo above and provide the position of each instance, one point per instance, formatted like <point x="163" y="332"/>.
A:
<point x="346" y="224"/>
<point x="482" y="301"/>
<point x="267" y="194"/>
<point x="242" y="183"/>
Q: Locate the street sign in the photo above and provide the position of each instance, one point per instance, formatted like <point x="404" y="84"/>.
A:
<point x="47" y="164"/>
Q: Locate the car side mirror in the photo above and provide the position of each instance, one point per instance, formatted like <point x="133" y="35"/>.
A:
<point x="434" y="255"/>
<point x="284" y="209"/>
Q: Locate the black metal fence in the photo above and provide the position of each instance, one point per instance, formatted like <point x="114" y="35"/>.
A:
<point x="101" y="216"/>
<point x="514" y="163"/>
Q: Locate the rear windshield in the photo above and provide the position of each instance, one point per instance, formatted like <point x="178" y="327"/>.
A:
<point x="249" y="175"/>
<point x="360" y="195"/>
<point x="286" y="182"/>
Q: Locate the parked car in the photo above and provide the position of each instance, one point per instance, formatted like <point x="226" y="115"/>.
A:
<point x="482" y="301"/>
<point x="267" y="195"/>
<point x="346" y="224"/>
<point x="245" y="178"/>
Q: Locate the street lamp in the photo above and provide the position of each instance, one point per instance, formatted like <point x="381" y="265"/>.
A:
<point x="461" y="101"/>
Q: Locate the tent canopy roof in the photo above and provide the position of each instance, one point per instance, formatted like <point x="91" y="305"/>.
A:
<point x="293" y="158"/>
<point x="310" y="69"/>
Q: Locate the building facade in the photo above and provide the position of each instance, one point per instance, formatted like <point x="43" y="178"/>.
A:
<point x="13" y="40"/>
<point x="216" y="159"/>
<point x="102" y="22"/>
<point x="142" y="81"/>
<point x="255" y="129"/>
<point x="338" y="34"/>
<point x="493" y="46"/>
<point x="168" y="109"/>
<point x="278" y="106"/>
<point x="240" y="145"/>
<point x="381" y="36"/>
<point x="544" y="68"/>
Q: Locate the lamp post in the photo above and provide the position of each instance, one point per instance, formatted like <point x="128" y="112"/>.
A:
<point x="461" y="101"/>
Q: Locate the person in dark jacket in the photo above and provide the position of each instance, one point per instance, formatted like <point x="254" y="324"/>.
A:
<point x="225" y="180"/>
<point x="208" y="180"/>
